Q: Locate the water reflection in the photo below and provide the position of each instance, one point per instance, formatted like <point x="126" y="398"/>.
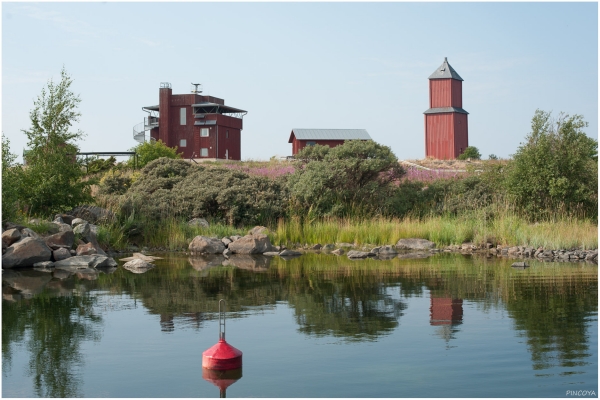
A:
<point x="53" y="313"/>
<point x="52" y="327"/>
<point x="446" y="313"/>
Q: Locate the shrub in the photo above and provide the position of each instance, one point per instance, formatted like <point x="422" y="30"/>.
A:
<point x="168" y="188"/>
<point x="114" y="182"/>
<point x="150" y="151"/>
<point x="470" y="152"/>
<point x="556" y="169"/>
<point x="355" y="178"/>
<point x="11" y="181"/>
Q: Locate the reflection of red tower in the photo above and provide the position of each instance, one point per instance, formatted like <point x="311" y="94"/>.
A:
<point x="445" y="311"/>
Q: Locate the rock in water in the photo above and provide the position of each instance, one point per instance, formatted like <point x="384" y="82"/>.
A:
<point x="25" y="253"/>
<point x="138" y="266"/>
<point x="257" y="243"/>
<point x="208" y="245"/>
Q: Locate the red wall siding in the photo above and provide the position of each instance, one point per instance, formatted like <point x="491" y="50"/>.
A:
<point x="445" y="93"/>
<point x="164" y="101"/>
<point x="456" y="93"/>
<point x="439" y="140"/>
<point x="461" y="133"/>
<point x="440" y="93"/>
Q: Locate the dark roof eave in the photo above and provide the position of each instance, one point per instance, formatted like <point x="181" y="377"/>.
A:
<point x="445" y="110"/>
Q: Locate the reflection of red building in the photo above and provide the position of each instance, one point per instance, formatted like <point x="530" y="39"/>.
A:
<point x="445" y="311"/>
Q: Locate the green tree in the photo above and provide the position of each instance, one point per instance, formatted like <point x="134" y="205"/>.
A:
<point x="150" y="151"/>
<point x="351" y="179"/>
<point x="471" y="152"/>
<point x="52" y="180"/>
<point x="11" y="179"/>
<point x="556" y="169"/>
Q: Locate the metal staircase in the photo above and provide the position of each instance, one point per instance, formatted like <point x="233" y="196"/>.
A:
<point x="139" y="131"/>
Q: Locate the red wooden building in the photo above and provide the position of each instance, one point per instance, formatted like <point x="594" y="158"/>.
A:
<point x="300" y="138"/>
<point x="446" y="127"/>
<point x="199" y="126"/>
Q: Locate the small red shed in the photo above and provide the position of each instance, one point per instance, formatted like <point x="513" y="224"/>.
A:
<point x="199" y="126"/>
<point x="446" y="126"/>
<point x="300" y="138"/>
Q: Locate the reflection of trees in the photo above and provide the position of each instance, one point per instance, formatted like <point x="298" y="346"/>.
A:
<point x="356" y="306"/>
<point x="553" y="316"/>
<point x="330" y="296"/>
<point x="53" y="329"/>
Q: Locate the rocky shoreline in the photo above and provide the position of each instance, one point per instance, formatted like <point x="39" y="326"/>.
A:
<point x="72" y="244"/>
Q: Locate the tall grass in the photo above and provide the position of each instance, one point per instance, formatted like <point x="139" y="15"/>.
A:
<point x="443" y="230"/>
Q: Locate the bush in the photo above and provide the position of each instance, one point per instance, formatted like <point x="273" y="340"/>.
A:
<point x="114" y="182"/>
<point x="168" y="188"/>
<point x="470" y="152"/>
<point x="150" y="151"/>
<point x="355" y="178"/>
<point x="556" y="169"/>
<point x="11" y="181"/>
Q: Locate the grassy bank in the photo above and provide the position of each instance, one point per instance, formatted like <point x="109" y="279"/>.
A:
<point x="508" y="230"/>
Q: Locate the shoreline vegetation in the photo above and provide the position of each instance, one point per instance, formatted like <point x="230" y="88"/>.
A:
<point x="544" y="196"/>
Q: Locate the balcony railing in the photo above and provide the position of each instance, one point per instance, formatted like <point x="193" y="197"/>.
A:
<point x="139" y="131"/>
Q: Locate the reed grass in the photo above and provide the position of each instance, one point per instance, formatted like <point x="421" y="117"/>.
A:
<point x="506" y="230"/>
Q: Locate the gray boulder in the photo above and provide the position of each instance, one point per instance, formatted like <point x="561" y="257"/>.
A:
<point x="26" y="232"/>
<point x="290" y="253"/>
<point x="53" y="227"/>
<point x="251" y="244"/>
<point x="78" y="221"/>
<point x="83" y="230"/>
<point x="360" y="254"/>
<point x="207" y="245"/>
<point x="387" y="250"/>
<point x="93" y="261"/>
<point x="11" y="236"/>
<point x="61" y="239"/>
<point x="271" y="253"/>
<point x="64" y="218"/>
<point x="235" y="237"/>
<point x="226" y="241"/>
<point x="25" y="253"/>
<point x="199" y="222"/>
<point x="43" y="264"/>
<point x="258" y="229"/>
<point x="338" y="252"/>
<point x="61" y="254"/>
<point x="414" y="244"/>
<point x="138" y="266"/>
<point x="86" y="249"/>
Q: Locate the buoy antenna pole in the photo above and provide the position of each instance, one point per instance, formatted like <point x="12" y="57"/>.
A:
<point x="222" y="320"/>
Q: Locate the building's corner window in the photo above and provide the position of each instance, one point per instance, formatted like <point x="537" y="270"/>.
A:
<point x="204" y="132"/>
<point x="204" y="152"/>
<point x="182" y="116"/>
<point x="310" y="143"/>
<point x="182" y="143"/>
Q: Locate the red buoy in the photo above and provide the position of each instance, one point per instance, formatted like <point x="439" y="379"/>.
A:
<point x="222" y="356"/>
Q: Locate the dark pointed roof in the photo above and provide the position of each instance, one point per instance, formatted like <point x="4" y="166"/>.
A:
<point x="445" y="71"/>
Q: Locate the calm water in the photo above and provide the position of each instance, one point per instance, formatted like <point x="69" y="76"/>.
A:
<point x="314" y="326"/>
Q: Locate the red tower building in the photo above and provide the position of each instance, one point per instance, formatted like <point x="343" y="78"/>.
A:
<point x="446" y="127"/>
<point x="199" y="126"/>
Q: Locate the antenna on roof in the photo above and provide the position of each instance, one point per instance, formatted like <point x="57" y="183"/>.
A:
<point x="195" y="89"/>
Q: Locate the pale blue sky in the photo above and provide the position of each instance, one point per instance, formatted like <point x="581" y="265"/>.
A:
<point x="305" y="65"/>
